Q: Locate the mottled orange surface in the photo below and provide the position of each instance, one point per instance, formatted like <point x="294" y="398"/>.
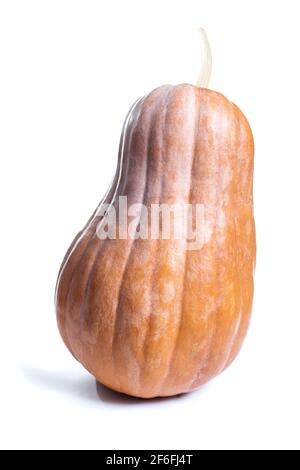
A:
<point x="147" y="317"/>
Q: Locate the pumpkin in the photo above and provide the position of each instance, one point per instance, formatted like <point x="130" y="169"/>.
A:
<point x="148" y="317"/>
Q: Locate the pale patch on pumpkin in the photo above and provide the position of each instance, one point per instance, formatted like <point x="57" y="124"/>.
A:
<point x="132" y="367"/>
<point x="207" y="231"/>
<point x="168" y="291"/>
<point x="164" y="319"/>
<point x="226" y="176"/>
<point x="221" y="218"/>
<point x="143" y="293"/>
<point x="165" y="294"/>
<point x="209" y="308"/>
<point x="219" y="124"/>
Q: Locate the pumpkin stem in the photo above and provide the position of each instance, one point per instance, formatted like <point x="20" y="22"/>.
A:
<point x="205" y="70"/>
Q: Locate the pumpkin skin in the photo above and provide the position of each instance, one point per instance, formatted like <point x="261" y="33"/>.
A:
<point x="147" y="317"/>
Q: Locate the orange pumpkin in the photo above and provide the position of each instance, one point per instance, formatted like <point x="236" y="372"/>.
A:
<point x="147" y="317"/>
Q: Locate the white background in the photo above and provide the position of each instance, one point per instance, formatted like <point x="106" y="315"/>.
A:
<point x="69" y="70"/>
